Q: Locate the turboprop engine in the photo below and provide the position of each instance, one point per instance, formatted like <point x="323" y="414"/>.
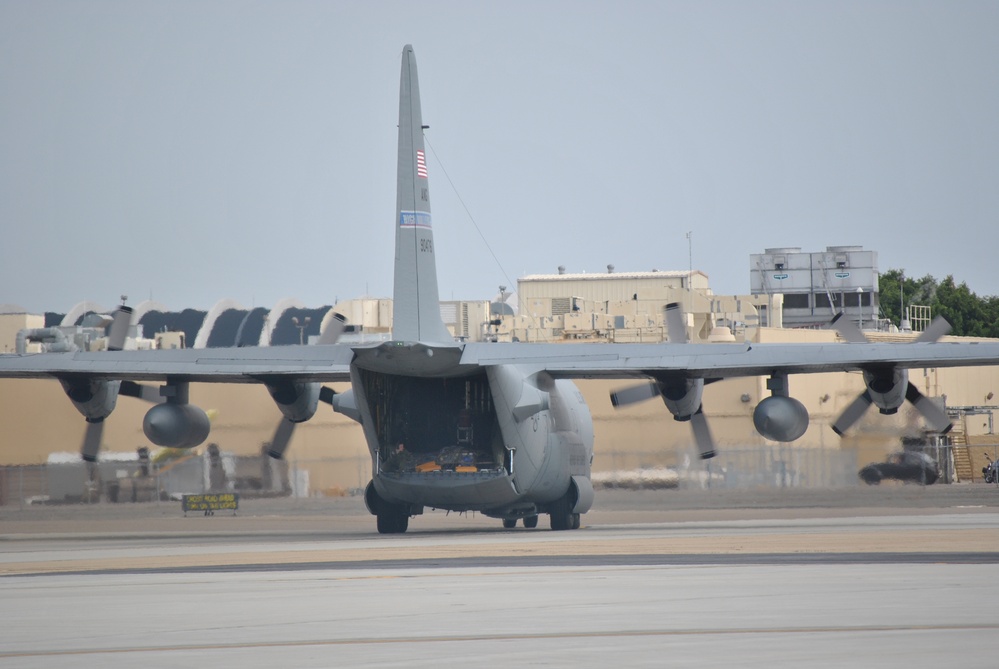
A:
<point x="886" y="388"/>
<point x="297" y="400"/>
<point x="682" y="396"/>
<point x="94" y="398"/>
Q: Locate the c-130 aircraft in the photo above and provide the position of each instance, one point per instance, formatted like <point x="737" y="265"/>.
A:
<point x="491" y="427"/>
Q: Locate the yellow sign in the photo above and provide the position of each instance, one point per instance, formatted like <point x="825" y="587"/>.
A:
<point x="227" y="501"/>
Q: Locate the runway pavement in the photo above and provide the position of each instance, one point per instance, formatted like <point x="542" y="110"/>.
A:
<point x="899" y="577"/>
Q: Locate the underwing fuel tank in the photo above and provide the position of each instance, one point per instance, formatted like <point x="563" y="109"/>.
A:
<point x="176" y="425"/>
<point x="780" y="418"/>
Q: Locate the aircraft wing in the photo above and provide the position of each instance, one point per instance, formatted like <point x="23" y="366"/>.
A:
<point x="220" y="365"/>
<point x="580" y="361"/>
<point x="716" y="361"/>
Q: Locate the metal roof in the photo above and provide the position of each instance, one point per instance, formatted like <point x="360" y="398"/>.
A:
<point x="603" y="276"/>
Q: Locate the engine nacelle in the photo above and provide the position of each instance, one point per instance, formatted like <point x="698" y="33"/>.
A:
<point x="780" y="418"/>
<point x="297" y="400"/>
<point x="682" y="396"/>
<point x="887" y="388"/>
<point x="176" y="425"/>
<point x="94" y="398"/>
<point x="346" y="404"/>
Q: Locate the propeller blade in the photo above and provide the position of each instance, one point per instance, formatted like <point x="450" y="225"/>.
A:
<point x="333" y="331"/>
<point x="633" y="394"/>
<point x="92" y="441"/>
<point x="930" y="410"/>
<point x="118" y="331"/>
<point x="326" y="395"/>
<point x="281" y="438"/>
<point x="934" y="331"/>
<point x="676" y="329"/>
<point x="149" y="394"/>
<point x="848" y="330"/>
<point x="702" y="435"/>
<point x="852" y="413"/>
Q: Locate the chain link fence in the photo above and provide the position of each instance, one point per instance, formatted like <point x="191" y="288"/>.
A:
<point x="134" y="480"/>
<point x="780" y="467"/>
<point x="125" y="481"/>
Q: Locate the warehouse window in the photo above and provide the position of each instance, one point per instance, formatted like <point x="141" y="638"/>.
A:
<point x="796" y="301"/>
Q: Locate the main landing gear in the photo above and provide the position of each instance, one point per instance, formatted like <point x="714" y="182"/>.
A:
<point x="393" y="523"/>
<point x="392" y="518"/>
<point x="530" y="522"/>
<point x="562" y="517"/>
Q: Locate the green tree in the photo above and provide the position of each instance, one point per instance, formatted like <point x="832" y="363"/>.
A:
<point x="969" y="314"/>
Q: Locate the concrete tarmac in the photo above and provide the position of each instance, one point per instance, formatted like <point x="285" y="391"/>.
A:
<point x="896" y="577"/>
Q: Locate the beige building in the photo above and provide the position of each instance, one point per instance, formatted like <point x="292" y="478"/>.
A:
<point x="12" y="322"/>
<point x="37" y="419"/>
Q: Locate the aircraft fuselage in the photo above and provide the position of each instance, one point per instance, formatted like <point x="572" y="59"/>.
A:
<point x="503" y="440"/>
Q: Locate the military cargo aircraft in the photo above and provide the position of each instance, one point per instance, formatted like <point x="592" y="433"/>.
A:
<point x="498" y="428"/>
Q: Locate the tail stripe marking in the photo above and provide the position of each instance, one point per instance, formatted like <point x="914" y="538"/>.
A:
<point x="414" y="219"/>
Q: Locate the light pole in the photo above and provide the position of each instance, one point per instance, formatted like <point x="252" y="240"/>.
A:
<point x="860" y="307"/>
<point x="903" y="322"/>
<point x="301" y="328"/>
<point x="690" y="270"/>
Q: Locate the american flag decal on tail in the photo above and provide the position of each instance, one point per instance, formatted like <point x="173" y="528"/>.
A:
<point x="421" y="164"/>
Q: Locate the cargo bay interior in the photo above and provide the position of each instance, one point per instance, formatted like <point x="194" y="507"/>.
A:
<point x="444" y="423"/>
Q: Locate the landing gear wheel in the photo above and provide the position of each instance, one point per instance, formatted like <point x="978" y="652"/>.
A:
<point x="509" y="523"/>
<point x="561" y="514"/>
<point x="392" y="523"/>
<point x="530" y="522"/>
<point x="575" y="522"/>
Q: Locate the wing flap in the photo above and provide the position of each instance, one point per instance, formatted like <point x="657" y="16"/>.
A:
<point x="724" y="360"/>
<point x="223" y="365"/>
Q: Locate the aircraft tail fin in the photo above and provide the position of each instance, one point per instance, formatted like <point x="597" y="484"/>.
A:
<point x="416" y="303"/>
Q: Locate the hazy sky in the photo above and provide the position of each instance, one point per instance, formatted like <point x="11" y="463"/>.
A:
<point x="194" y="151"/>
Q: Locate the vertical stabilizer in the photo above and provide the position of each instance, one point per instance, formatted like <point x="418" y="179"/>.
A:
<point x="416" y="305"/>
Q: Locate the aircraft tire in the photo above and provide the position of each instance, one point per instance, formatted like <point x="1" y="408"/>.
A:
<point x="509" y="523"/>
<point x="561" y="514"/>
<point x="530" y="522"/>
<point x="575" y="522"/>
<point x="392" y="523"/>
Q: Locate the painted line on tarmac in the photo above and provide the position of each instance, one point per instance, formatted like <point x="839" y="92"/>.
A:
<point x="547" y="561"/>
<point x="536" y="636"/>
